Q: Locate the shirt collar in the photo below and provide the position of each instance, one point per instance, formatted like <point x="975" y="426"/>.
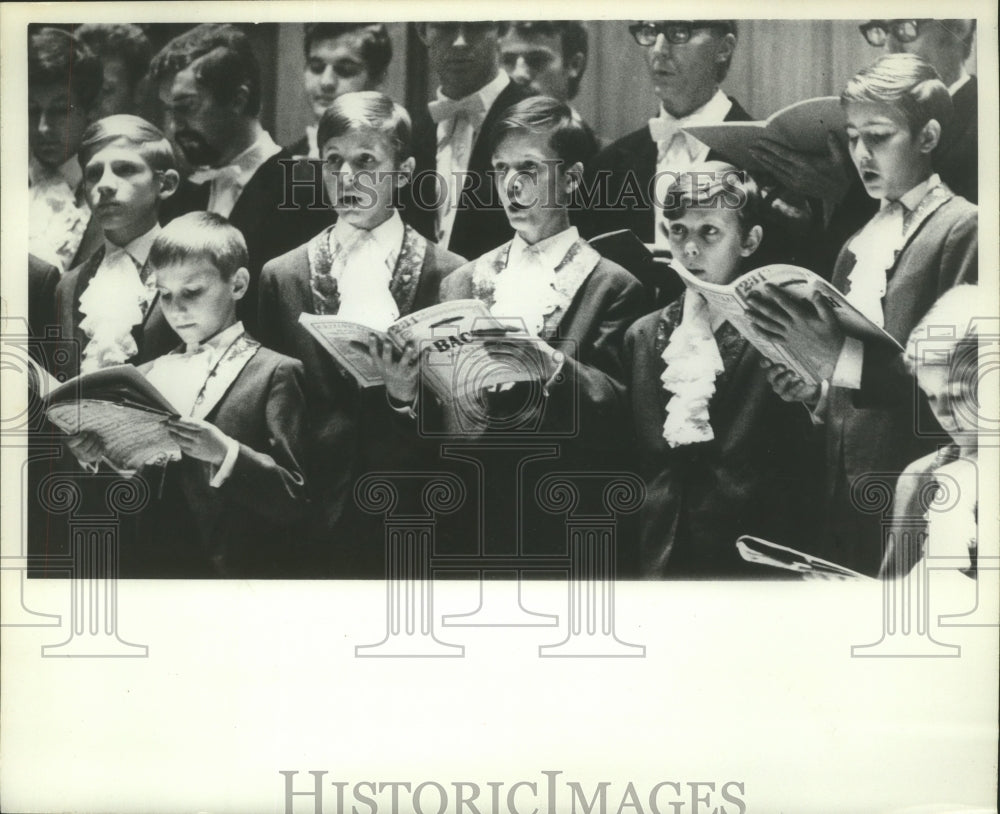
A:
<point x="712" y="112"/>
<point x="388" y="236"/>
<point x="69" y="171"/>
<point x="550" y="251"/>
<point x="138" y="248"/>
<point x="489" y="93"/>
<point x="253" y="157"/>
<point x="911" y="199"/>
<point x="217" y="344"/>
<point x="954" y="87"/>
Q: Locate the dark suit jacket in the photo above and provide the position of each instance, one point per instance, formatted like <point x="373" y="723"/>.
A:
<point x="242" y="528"/>
<point x="957" y="155"/>
<point x="270" y="230"/>
<point x="153" y="337"/>
<point x="624" y="199"/>
<point x="480" y="225"/>
<point x="43" y="278"/>
<point x="350" y="431"/>
<point x="758" y="476"/>
<point x="884" y="425"/>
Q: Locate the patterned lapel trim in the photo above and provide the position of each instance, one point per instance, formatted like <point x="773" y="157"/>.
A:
<point x="929" y="204"/>
<point x="222" y="376"/>
<point x="571" y="272"/>
<point x="325" y="296"/>
<point x="409" y="266"/>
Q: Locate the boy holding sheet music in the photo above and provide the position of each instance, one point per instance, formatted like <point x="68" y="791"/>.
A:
<point x="227" y="506"/>
<point x="923" y="241"/>
<point x="721" y="455"/>
<point x="369" y="268"/>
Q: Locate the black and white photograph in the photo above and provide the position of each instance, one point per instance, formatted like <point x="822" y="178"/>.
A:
<point x="634" y="379"/>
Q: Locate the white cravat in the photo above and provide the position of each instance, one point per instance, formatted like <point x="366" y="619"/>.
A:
<point x="458" y="124"/>
<point x="875" y="250"/>
<point x="363" y="263"/>
<point x="228" y="182"/>
<point x="677" y="151"/>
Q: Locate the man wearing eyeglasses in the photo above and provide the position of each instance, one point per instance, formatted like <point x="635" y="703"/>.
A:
<point x="548" y="57"/>
<point x="946" y="44"/>
<point x="687" y="60"/>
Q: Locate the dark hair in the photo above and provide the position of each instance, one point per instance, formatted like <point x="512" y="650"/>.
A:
<point x="223" y="62"/>
<point x="147" y="139"/>
<point x="376" y="47"/>
<point x="573" y="40"/>
<point x="370" y="109"/>
<point x="200" y="235"/>
<point x="119" y="40"/>
<point x="57" y="57"/>
<point x="908" y="83"/>
<point x="716" y="185"/>
<point x="543" y="114"/>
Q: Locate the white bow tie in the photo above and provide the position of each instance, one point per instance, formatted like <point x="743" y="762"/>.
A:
<point x="664" y="132"/>
<point x="204" y="175"/>
<point x="446" y="109"/>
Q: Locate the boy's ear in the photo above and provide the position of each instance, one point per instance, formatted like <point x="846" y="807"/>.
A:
<point x="751" y="242"/>
<point x="169" y="181"/>
<point x="240" y="283"/>
<point x="929" y="136"/>
<point x="406" y="168"/>
<point x="573" y="177"/>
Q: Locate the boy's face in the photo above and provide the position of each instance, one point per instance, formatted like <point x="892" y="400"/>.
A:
<point x="463" y="55"/>
<point x="56" y="122"/>
<point x="534" y="188"/>
<point x="117" y="90"/>
<point x="710" y="243"/>
<point x="196" y="301"/>
<point x="199" y="125"/>
<point x="122" y="188"/>
<point x="889" y="158"/>
<point x="684" y="75"/>
<point x="536" y="62"/>
<point x="335" y="67"/>
<point x="361" y="176"/>
<point x="933" y="380"/>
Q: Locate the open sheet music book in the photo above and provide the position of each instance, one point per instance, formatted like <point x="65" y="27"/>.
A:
<point x="802" y="127"/>
<point x="120" y="406"/>
<point x="730" y="303"/>
<point x="755" y="550"/>
<point x="463" y="348"/>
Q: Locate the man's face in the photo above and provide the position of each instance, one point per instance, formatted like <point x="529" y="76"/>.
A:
<point x="684" y="75"/>
<point x="532" y="183"/>
<point x="121" y="187"/>
<point x="934" y="42"/>
<point x="56" y="122"/>
<point x="196" y="301"/>
<point x="196" y="122"/>
<point x="335" y="67"/>
<point x="463" y="55"/>
<point x="536" y="62"/>
<point x="886" y="154"/>
<point x="117" y="91"/>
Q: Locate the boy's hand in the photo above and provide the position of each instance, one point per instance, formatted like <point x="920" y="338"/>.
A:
<point x="810" y="326"/>
<point x="825" y="177"/>
<point x="401" y="375"/>
<point x="199" y="439"/>
<point x="86" y="447"/>
<point x="788" y="385"/>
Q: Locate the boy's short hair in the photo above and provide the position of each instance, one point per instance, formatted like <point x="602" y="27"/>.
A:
<point x="371" y="110"/>
<point x="56" y="57"/>
<point x="200" y="235"/>
<point x="573" y="39"/>
<point x="905" y="81"/>
<point x="225" y="60"/>
<point x="716" y="185"/>
<point x="148" y="140"/>
<point x="948" y="335"/>
<point x="543" y="114"/>
<point x="123" y="41"/>
<point x="376" y="47"/>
